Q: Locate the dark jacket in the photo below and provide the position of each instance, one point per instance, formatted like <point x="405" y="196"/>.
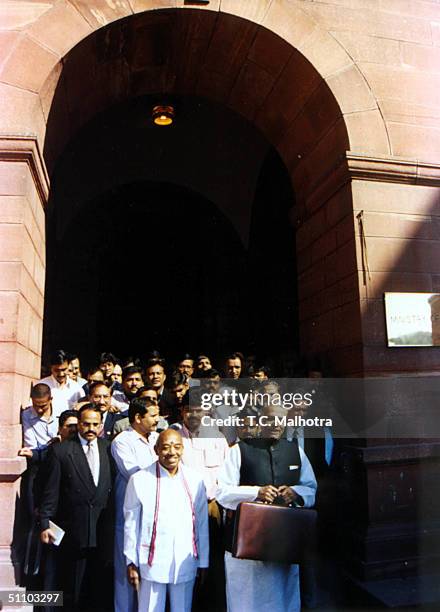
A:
<point x="70" y="497"/>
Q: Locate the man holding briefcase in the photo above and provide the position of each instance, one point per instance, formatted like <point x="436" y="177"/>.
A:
<point x="273" y="470"/>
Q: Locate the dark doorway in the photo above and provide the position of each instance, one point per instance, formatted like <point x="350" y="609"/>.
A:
<point x="141" y="265"/>
<point x="148" y="266"/>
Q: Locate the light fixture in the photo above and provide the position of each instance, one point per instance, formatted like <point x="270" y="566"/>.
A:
<point x="163" y="114"/>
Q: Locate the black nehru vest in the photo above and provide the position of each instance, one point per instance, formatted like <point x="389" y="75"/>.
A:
<point x="265" y="462"/>
<point x="269" y="462"/>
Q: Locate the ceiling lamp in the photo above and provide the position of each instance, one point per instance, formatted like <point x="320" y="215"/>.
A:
<point x="163" y="114"/>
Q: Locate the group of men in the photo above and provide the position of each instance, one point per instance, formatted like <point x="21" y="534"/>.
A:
<point x="120" y="462"/>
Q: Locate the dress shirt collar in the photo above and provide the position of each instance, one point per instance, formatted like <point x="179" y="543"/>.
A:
<point x="85" y="442"/>
<point x="150" y="439"/>
<point x="33" y="416"/>
<point x="67" y="384"/>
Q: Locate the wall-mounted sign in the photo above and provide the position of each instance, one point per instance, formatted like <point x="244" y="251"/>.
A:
<point x="413" y="319"/>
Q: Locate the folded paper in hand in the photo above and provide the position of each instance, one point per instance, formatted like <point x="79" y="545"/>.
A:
<point x="58" y="533"/>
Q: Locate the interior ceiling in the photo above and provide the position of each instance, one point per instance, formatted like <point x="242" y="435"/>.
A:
<point x="224" y="74"/>
<point x="209" y="149"/>
<point x="219" y="57"/>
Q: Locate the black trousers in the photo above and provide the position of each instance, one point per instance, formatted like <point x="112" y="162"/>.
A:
<point x="86" y="581"/>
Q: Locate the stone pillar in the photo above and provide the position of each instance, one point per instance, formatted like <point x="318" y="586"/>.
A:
<point x="396" y="208"/>
<point x="369" y="227"/>
<point x="328" y="292"/>
<point x="23" y="193"/>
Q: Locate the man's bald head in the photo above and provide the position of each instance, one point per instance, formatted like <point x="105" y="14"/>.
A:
<point x="169" y="449"/>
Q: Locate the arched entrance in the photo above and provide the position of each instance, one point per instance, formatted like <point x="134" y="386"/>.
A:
<point x="183" y="229"/>
<point x="274" y="63"/>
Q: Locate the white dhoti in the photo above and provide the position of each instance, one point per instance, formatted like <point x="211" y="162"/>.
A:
<point x="257" y="586"/>
<point x="152" y="596"/>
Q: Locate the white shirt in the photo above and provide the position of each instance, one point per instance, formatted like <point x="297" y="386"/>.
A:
<point x="79" y="381"/>
<point x="174" y="559"/>
<point x="63" y="397"/>
<point x="206" y="456"/>
<point x="230" y="493"/>
<point x="94" y="445"/>
<point x="132" y="452"/>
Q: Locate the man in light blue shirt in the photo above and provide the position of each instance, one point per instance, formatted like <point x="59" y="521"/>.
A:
<point x="38" y="421"/>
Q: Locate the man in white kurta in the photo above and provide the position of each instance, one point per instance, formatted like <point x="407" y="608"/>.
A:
<point x="132" y="450"/>
<point x="205" y="448"/>
<point x="166" y="540"/>
<point x="256" y="585"/>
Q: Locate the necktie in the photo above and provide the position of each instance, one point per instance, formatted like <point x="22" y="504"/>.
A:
<point x="91" y="460"/>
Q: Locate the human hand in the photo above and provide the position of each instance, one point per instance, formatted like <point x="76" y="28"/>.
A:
<point x="47" y="536"/>
<point x="267" y="494"/>
<point x="25" y="452"/>
<point x="288" y="494"/>
<point x="133" y="576"/>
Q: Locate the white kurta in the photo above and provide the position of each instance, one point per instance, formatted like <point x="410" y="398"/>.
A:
<point x="206" y="456"/>
<point x="131" y="452"/>
<point x="174" y="560"/>
<point x="256" y="585"/>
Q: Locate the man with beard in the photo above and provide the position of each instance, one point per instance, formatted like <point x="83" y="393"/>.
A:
<point x="270" y="469"/>
<point x="131" y="381"/>
<point x="132" y="450"/>
<point x="166" y="529"/>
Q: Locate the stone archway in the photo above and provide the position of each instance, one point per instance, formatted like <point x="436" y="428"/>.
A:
<point x="282" y="66"/>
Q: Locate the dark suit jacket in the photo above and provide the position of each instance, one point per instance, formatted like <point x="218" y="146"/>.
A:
<point x="167" y="406"/>
<point x="109" y="423"/>
<point x="70" y="497"/>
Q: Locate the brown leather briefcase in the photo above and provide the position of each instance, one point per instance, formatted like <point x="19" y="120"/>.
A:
<point x="273" y="533"/>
